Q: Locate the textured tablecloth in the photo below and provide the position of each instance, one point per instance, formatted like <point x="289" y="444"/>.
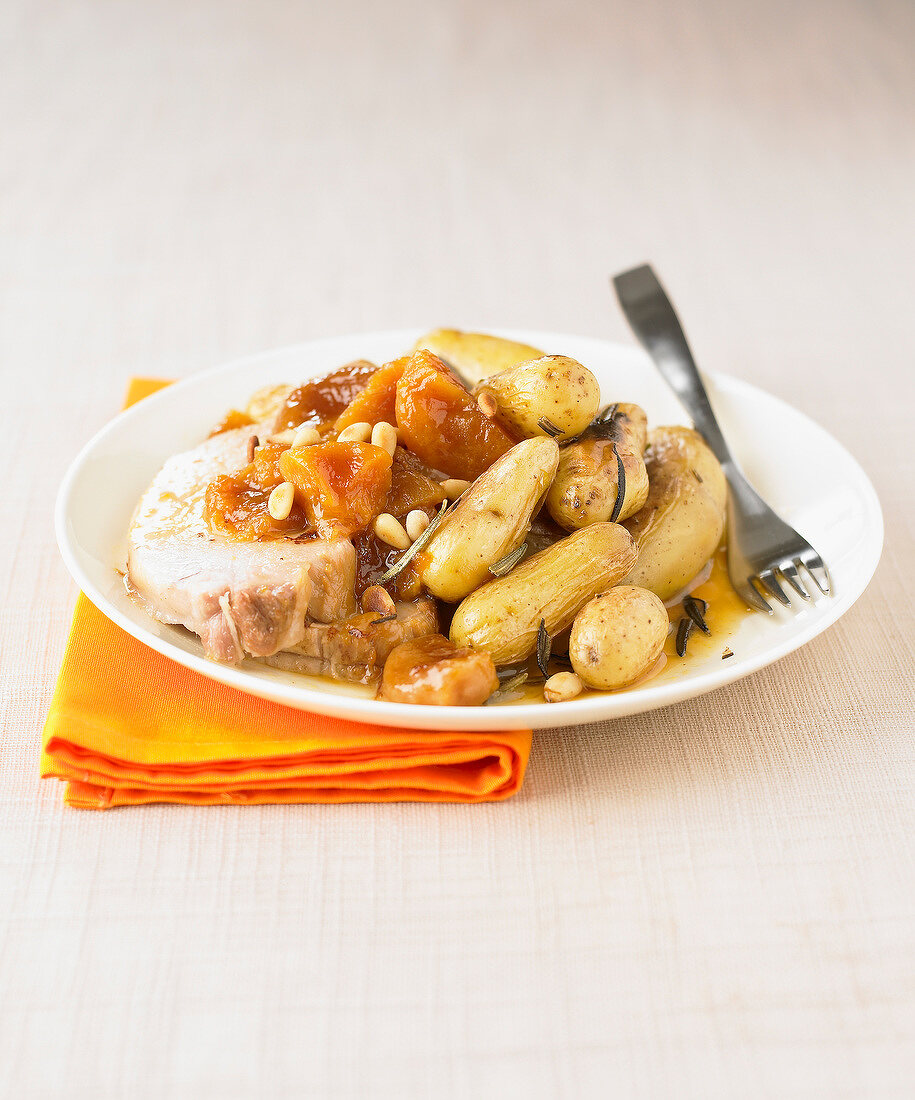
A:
<point x="714" y="900"/>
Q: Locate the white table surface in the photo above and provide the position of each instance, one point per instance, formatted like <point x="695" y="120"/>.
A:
<point x="716" y="900"/>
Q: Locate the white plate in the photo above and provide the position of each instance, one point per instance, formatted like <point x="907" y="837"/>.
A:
<point x="809" y="478"/>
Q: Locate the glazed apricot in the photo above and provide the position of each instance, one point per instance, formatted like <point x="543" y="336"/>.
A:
<point x="341" y="487"/>
<point x="323" y="400"/>
<point x="376" y="402"/>
<point x="412" y="485"/>
<point x="439" y="421"/>
<point x="434" y="671"/>
<point x="236" y="504"/>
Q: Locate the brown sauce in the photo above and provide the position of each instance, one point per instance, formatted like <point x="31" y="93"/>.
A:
<point x="374" y="558"/>
<point x="725" y="612"/>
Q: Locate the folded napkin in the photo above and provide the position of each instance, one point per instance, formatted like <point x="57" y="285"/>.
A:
<point x="129" y="726"/>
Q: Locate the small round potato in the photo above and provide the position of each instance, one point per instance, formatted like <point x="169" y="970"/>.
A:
<point x="586" y="487"/>
<point x="617" y="637"/>
<point x="554" y="389"/>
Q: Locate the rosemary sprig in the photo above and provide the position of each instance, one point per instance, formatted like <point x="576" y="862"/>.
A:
<point x="683" y="632"/>
<point x="620" y="486"/>
<point x="507" y="564"/>
<point x="514" y="682"/>
<point x="696" y="610"/>
<point x="507" y="688"/>
<point x="409" y="554"/>
<point x="384" y="619"/>
<point x="549" y="427"/>
<point x="605" y="426"/>
<point x="543" y="648"/>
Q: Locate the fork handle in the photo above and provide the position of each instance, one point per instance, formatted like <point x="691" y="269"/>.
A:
<point x="654" y="322"/>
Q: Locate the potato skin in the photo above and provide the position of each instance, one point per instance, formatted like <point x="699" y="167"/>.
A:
<point x="554" y="387"/>
<point x="681" y="524"/>
<point x="490" y="520"/>
<point x="584" y="490"/>
<point x="617" y="637"/>
<point x="476" y="355"/>
<point x="503" y="616"/>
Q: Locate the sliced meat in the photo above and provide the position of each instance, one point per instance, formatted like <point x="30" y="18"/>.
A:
<point x="240" y="597"/>
<point x="357" y="648"/>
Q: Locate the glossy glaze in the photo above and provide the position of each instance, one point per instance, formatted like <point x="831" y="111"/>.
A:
<point x="324" y="399"/>
<point x="433" y="670"/>
<point x="440" y="422"/>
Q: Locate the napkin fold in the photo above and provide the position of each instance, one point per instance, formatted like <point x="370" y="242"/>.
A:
<point x="128" y="726"/>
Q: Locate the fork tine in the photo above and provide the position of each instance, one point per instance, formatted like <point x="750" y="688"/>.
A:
<point x="789" y="571"/>
<point x="766" y="539"/>
<point x="769" y="581"/>
<point x="815" y="566"/>
<point x="749" y="595"/>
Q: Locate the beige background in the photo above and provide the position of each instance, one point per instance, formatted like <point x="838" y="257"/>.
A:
<point x="716" y="900"/>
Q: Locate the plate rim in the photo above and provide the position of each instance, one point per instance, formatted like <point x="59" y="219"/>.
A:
<point x="506" y="716"/>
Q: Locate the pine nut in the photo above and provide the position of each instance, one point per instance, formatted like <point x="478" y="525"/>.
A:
<point x="391" y="531"/>
<point x="417" y="522"/>
<point x="286" y="436"/>
<point x="306" y="436"/>
<point x="378" y="601"/>
<point x="454" y="486"/>
<point x="488" y="405"/>
<point x="561" y="687"/>
<point x="253" y="444"/>
<point x="384" y="435"/>
<point x="279" y="504"/>
<point x="356" y="433"/>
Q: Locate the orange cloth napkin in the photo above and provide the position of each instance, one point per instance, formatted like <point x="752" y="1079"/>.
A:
<point x="129" y="726"/>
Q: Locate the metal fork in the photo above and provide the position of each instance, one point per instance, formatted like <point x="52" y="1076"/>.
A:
<point x="761" y="547"/>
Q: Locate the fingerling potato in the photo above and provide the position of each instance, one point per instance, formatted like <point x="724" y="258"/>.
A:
<point x="475" y="355"/>
<point x="617" y="637"/>
<point x="682" y="521"/>
<point x="490" y="520"/>
<point x="503" y="616"/>
<point x="607" y="455"/>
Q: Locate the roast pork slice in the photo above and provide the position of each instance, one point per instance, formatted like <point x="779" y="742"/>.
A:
<point x="242" y="598"/>
<point x="357" y="648"/>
